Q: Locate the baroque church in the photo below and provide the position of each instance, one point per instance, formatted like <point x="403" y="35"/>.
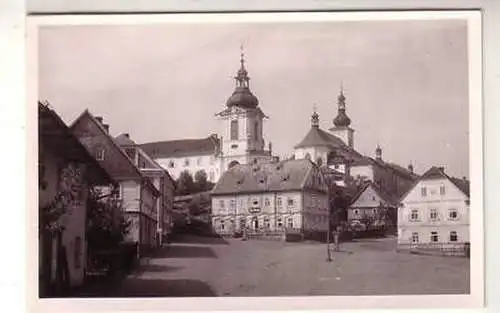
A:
<point x="241" y="143"/>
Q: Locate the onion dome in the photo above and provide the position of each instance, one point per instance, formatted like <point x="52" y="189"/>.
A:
<point x="242" y="96"/>
<point x="341" y="120"/>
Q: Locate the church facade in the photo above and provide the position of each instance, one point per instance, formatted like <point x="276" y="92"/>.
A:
<point x="241" y="143"/>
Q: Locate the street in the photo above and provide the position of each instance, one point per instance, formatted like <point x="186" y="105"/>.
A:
<point x="200" y="266"/>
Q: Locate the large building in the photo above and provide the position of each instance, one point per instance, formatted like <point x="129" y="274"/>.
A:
<point x="271" y="199"/>
<point x="435" y="212"/>
<point x="241" y="143"/>
<point x="376" y="178"/>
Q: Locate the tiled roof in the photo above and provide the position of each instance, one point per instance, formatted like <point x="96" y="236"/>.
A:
<point x="382" y="194"/>
<point x="272" y="176"/>
<point x="438" y="173"/>
<point x="54" y="133"/>
<point x="317" y="137"/>
<point x="185" y="147"/>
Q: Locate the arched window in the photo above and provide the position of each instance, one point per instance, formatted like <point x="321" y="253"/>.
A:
<point x="234" y="130"/>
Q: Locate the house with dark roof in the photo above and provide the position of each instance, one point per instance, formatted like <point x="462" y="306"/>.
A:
<point x="372" y="205"/>
<point x="242" y="141"/>
<point x="67" y="171"/>
<point x="271" y="199"/>
<point x="434" y="213"/>
<point x="160" y="178"/>
<point x="136" y="191"/>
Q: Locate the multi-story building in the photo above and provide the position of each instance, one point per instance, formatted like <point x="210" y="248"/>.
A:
<point x="272" y="198"/>
<point x="136" y="191"/>
<point x="241" y="143"/>
<point x="66" y="172"/>
<point x="160" y="178"/>
<point x="435" y="212"/>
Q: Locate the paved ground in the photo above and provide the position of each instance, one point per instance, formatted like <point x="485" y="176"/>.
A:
<point x="216" y="267"/>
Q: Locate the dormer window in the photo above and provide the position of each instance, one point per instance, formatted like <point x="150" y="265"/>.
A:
<point x="100" y="154"/>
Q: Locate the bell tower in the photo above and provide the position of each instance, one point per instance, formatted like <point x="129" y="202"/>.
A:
<point x="243" y="138"/>
<point x="342" y="122"/>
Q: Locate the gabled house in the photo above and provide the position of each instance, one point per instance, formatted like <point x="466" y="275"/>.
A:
<point x="136" y="191"/>
<point x="434" y="213"/>
<point x="271" y="199"/>
<point x="161" y="180"/>
<point x="66" y="173"/>
<point x="372" y="205"/>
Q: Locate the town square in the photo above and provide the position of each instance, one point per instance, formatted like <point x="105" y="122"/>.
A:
<point x="254" y="160"/>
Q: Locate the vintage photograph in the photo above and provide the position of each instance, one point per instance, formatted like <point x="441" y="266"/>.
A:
<point x="254" y="158"/>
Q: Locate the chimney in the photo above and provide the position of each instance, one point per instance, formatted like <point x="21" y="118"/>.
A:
<point x="465" y="179"/>
<point x="99" y="119"/>
<point x="270" y="148"/>
<point x="106" y="127"/>
<point x="410" y="168"/>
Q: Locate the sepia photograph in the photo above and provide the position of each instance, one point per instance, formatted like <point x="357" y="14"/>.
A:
<point x="292" y="155"/>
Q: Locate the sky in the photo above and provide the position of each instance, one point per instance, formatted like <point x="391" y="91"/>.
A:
<point x="405" y="82"/>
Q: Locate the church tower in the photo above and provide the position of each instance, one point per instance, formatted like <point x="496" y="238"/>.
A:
<point x="341" y="122"/>
<point x="242" y="140"/>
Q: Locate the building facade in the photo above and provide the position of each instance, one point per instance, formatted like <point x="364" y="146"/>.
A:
<point x="66" y="172"/>
<point x="137" y="193"/>
<point x="160" y="178"/>
<point x="435" y="212"/>
<point x="242" y="141"/>
<point x="271" y="199"/>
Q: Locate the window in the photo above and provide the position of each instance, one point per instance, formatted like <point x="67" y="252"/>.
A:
<point x="290" y="223"/>
<point x="255" y="202"/>
<point x="336" y="166"/>
<point x="414" y="215"/>
<point x="434" y="236"/>
<point x="374" y="211"/>
<point x="256" y="130"/>
<point x="171" y="164"/>
<point x="234" y="130"/>
<point x="232" y="203"/>
<point x="414" y="237"/>
<point x="222" y="225"/>
<point x="356" y="212"/>
<point x="423" y="191"/>
<point x="186" y="162"/>
<point x="267" y="202"/>
<point x="453" y="236"/>
<point x="278" y="201"/>
<point x="99" y="154"/>
<point x="198" y="161"/>
<point x="442" y="190"/>
<point x="78" y="252"/>
<point x="433" y="215"/>
<point x="280" y="222"/>
<point x="453" y="214"/>
<point x="267" y="225"/>
<point x="221" y="204"/>
<point x="290" y="202"/>
<point x="242" y="223"/>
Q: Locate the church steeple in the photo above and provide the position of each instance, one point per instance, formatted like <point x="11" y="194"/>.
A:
<point x="315" y="118"/>
<point x="242" y="79"/>
<point x="341" y="120"/>
<point x="242" y="96"/>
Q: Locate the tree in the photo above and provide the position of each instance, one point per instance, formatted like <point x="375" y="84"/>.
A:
<point x="185" y="183"/>
<point x="201" y="181"/>
<point x="105" y="228"/>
